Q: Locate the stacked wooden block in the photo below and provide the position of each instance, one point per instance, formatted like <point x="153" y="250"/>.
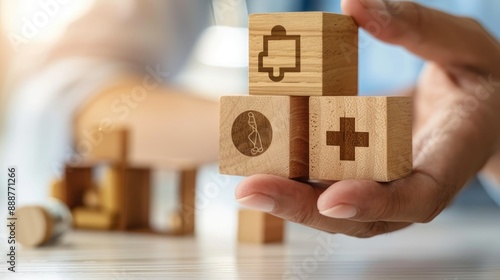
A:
<point x="303" y="118"/>
<point x="121" y="199"/>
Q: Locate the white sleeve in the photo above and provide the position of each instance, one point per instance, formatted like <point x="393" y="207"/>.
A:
<point x="491" y="186"/>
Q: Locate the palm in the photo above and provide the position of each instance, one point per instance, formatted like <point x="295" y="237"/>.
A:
<point x="456" y="120"/>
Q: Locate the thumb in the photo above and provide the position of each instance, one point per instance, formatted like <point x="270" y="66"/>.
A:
<point x="445" y="39"/>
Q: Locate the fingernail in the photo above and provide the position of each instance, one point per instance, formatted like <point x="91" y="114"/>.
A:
<point x="342" y="211"/>
<point x="259" y="202"/>
<point x="374" y="4"/>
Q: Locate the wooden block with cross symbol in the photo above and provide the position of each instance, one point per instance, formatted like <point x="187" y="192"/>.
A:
<point x="360" y="138"/>
<point x="264" y="134"/>
<point x="303" y="54"/>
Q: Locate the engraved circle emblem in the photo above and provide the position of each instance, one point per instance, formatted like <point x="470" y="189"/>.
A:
<point x="252" y="133"/>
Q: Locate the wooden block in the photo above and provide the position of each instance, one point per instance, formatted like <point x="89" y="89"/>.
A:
<point x="264" y="134"/>
<point x="42" y="224"/>
<point x="304" y="54"/>
<point x="77" y="179"/>
<point x="259" y="227"/>
<point x="111" y="188"/>
<point x="360" y="138"/>
<point x="91" y="198"/>
<point x="57" y="189"/>
<point x="187" y="184"/>
<point x="135" y="203"/>
<point x="35" y="226"/>
<point x="110" y="145"/>
<point x="85" y="218"/>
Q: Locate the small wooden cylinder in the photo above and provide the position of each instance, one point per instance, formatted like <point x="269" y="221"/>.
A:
<point x="42" y="224"/>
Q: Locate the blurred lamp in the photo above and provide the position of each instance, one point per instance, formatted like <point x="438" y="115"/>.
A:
<point x="219" y="63"/>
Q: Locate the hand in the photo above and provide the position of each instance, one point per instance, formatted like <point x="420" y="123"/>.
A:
<point x="456" y="129"/>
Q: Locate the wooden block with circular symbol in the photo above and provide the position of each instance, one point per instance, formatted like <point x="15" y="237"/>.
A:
<point x="303" y="54"/>
<point x="360" y="138"/>
<point x="264" y="134"/>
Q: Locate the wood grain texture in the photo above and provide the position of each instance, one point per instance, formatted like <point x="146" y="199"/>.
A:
<point x="259" y="227"/>
<point x="85" y="218"/>
<point x="388" y="122"/>
<point x="264" y="134"/>
<point x="326" y="54"/>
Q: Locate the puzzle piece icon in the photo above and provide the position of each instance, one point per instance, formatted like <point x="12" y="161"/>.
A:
<point x="278" y="33"/>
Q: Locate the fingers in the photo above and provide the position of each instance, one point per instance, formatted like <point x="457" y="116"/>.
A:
<point x="416" y="198"/>
<point x="430" y="34"/>
<point x="296" y="202"/>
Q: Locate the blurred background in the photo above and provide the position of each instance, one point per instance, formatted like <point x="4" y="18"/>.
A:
<point x="157" y="67"/>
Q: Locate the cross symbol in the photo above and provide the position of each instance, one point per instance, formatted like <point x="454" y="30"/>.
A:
<point x="347" y="138"/>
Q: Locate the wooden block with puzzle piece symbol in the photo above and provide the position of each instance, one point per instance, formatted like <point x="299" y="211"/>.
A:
<point x="303" y="54"/>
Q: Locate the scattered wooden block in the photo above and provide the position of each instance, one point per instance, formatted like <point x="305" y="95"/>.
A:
<point x="111" y="188"/>
<point x="110" y="145"/>
<point x="259" y="227"/>
<point x="264" y="134"/>
<point x="186" y="213"/>
<point x="304" y="54"/>
<point x="57" y="189"/>
<point x="42" y="224"/>
<point x="360" y="138"/>
<point x="176" y="223"/>
<point x="135" y="197"/>
<point x="84" y="218"/>
<point x="77" y="180"/>
<point x="34" y="226"/>
<point x="91" y="198"/>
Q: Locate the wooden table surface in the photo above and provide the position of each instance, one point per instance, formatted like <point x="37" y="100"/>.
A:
<point x="458" y="245"/>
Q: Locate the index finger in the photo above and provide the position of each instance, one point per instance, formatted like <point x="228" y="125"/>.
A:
<point x="431" y="34"/>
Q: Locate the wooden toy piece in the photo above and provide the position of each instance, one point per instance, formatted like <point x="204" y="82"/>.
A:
<point x="77" y="179"/>
<point x="183" y="221"/>
<point x="40" y="224"/>
<point x="176" y="223"/>
<point x="264" y="134"/>
<point x="125" y="192"/>
<point x="110" y="145"/>
<point x="111" y="188"/>
<point x="360" y="138"/>
<point x="304" y="54"/>
<point x="57" y="189"/>
<point x="91" y="198"/>
<point x="35" y="226"/>
<point x="135" y="199"/>
<point x="171" y="144"/>
<point x="85" y="218"/>
<point x="259" y="227"/>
